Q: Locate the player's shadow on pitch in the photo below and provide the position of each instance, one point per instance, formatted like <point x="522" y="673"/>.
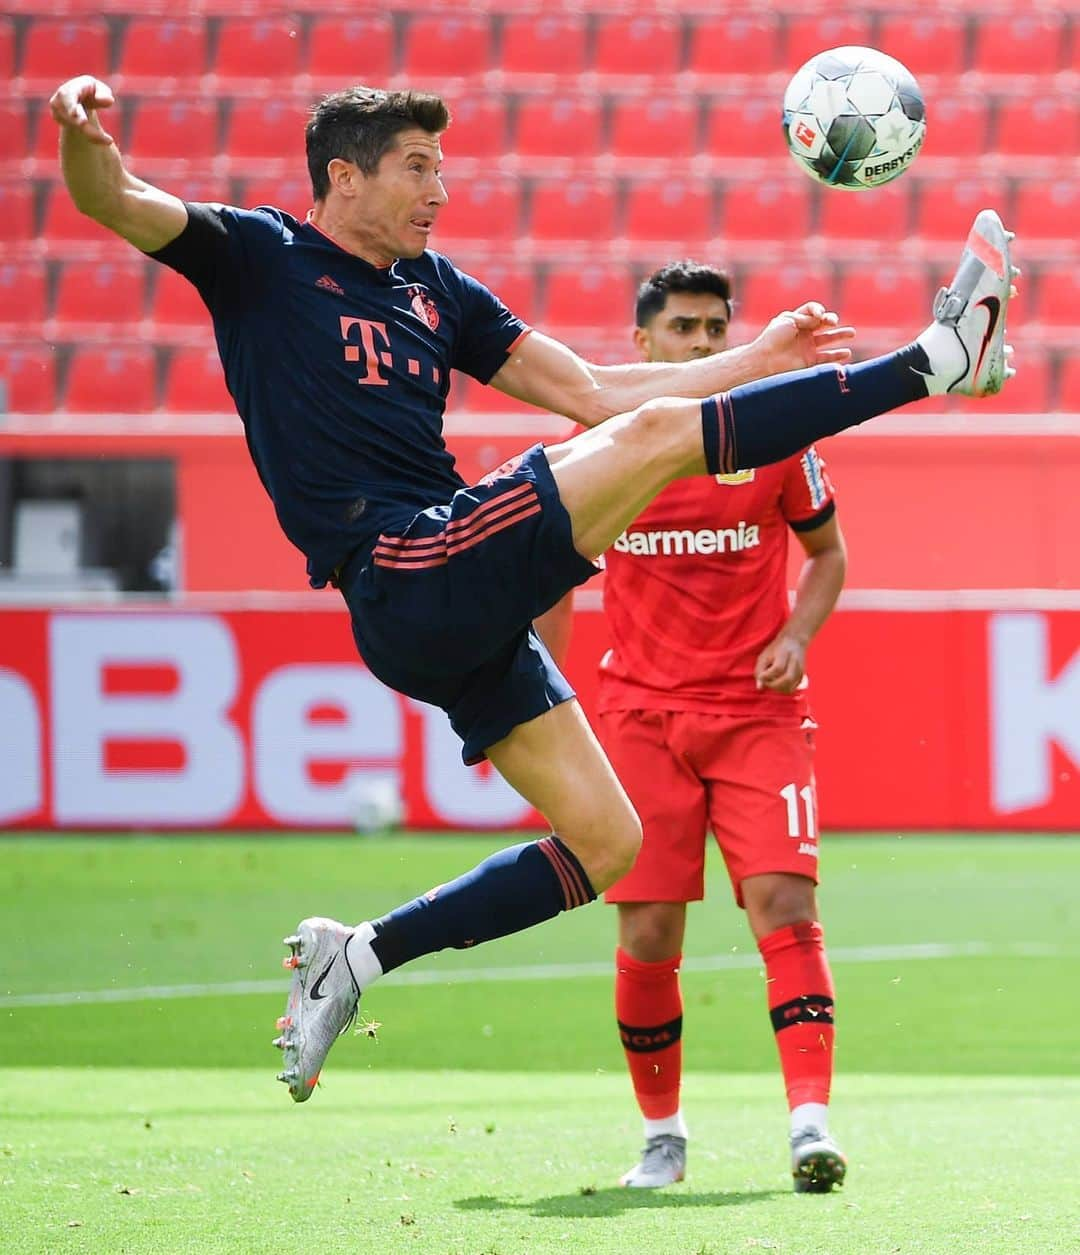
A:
<point x="592" y="1204"/>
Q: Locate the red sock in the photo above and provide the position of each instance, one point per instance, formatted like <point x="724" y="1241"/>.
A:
<point x="648" y="1007"/>
<point x="800" y="991"/>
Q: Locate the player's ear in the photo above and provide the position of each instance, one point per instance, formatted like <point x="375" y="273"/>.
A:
<point x="344" y="176"/>
<point x="643" y="342"/>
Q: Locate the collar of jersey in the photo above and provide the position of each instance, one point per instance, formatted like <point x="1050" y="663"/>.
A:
<point x="379" y="272"/>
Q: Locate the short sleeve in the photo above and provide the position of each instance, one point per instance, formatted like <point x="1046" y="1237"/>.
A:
<point x="808" y="498"/>
<point x="222" y="250"/>
<point x="488" y="331"/>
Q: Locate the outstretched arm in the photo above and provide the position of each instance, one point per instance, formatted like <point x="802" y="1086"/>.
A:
<point x="546" y="373"/>
<point x="95" y="176"/>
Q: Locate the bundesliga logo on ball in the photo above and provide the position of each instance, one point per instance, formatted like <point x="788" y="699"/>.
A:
<point x="854" y="118"/>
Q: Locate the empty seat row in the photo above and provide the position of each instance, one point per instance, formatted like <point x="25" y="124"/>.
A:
<point x="492" y="212"/>
<point x="726" y="129"/>
<point x="376" y="46"/>
<point x="139" y="379"/>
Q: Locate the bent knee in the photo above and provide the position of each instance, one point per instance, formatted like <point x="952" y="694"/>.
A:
<point x="608" y="855"/>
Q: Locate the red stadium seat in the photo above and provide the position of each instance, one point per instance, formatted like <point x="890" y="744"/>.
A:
<point x="774" y="210"/>
<point x="477" y="128"/>
<point x="1069" y="385"/>
<point x="1047" y="211"/>
<point x="885" y="296"/>
<point x="16" y="213"/>
<point x="292" y="195"/>
<point x="351" y="49"/>
<point x="7" y="48"/>
<point x="480" y="399"/>
<point x="543" y="45"/>
<point x="481" y="209"/>
<point x="670" y="210"/>
<point x="645" y="46"/>
<point x="1019" y="44"/>
<point x="573" y="210"/>
<point x="92" y="295"/>
<point x="1056" y="297"/>
<point x="657" y="127"/>
<point x="177" y="310"/>
<point x="766" y="291"/>
<point x="1046" y="126"/>
<point x="23" y="290"/>
<point x="881" y="215"/>
<point x="740" y="128"/>
<point x="176" y="130"/>
<point x="599" y="297"/>
<point x="958" y="127"/>
<point x="447" y="47"/>
<point x="946" y="208"/>
<point x="558" y="126"/>
<point x="156" y="51"/>
<point x="807" y="36"/>
<point x="111" y="381"/>
<point x="250" y="48"/>
<point x="735" y="45"/>
<point x="27" y="380"/>
<point x="194" y="383"/>
<point x="926" y="43"/>
<point x="54" y="50"/>
<point x="266" y="129"/>
<point x="513" y="283"/>
<point x="13" y="132"/>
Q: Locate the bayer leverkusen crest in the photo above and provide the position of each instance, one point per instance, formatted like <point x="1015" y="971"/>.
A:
<point x="424" y="307"/>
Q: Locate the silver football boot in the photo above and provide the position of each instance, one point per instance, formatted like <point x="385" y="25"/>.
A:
<point x="817" y="1163"/>
<point x="966" y="342"/>
<point x="663" y="1162"/>
<point x="323" y="998"/>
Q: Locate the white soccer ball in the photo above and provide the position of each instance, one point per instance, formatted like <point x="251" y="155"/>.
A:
<point x="854" y="118"/>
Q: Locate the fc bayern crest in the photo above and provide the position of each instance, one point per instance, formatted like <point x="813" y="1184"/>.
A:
<point x="424" y="307"/>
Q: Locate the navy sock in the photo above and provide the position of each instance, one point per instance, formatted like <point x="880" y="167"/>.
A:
<point x="513" y="889"/>
<point x="770" y="419"/>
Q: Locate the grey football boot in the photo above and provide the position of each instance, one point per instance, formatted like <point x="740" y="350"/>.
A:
<point x="663" y="1162"/>
<point x="817" y="1163"/>
<point x="966" y="342"/>
<point x="323" y="998"/>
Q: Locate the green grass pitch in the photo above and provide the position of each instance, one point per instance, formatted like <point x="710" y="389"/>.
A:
<point x="491" y="1116"/>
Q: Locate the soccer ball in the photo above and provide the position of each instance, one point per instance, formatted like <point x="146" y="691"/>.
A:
<point x="854" y="118"/>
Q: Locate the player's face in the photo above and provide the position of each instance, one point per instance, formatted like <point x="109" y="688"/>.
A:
<point x="398" y="204"/>
<point x="691" y="324"/>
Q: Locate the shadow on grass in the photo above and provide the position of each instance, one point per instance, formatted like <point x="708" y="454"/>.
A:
<point x="587" y="1205"/>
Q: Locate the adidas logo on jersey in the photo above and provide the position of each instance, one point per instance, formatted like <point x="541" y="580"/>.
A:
<point x="705" y="541"/>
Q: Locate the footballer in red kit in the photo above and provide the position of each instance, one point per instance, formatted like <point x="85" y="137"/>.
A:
<point x="703" y="713"/>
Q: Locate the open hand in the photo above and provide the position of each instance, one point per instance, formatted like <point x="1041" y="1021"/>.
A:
<point x="75" y="105"/>
<point x="808" y="336"/>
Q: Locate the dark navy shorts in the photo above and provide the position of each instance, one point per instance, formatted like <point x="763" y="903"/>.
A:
<point x="442" y="610"/>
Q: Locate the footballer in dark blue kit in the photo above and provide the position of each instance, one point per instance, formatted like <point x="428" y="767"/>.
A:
<point x="337" y="336"/>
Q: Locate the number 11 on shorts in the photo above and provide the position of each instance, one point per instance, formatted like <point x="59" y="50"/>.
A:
<point x="791" y="794"/>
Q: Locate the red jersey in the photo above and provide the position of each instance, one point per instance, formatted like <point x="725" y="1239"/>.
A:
<point x="696" y="587"/>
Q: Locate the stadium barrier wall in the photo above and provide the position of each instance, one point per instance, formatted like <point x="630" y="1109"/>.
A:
<point x="935" y="712"/>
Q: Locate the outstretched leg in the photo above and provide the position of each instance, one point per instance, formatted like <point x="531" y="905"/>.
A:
<point x="607" y="475"/>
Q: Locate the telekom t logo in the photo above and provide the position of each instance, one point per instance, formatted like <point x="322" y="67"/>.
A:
<point x="375" y="347"/>
<point x="1030" y="711"/>
<point x="373" y="354"/>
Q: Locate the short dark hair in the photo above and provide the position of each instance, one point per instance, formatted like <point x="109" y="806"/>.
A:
<point x="360" y="124"/>
<point x="680" y="276"/>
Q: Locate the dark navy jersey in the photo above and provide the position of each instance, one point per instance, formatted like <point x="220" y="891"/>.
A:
<point x="339" y="369"/>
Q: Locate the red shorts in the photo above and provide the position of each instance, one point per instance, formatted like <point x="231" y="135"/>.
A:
<point x="750" y="780"/>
